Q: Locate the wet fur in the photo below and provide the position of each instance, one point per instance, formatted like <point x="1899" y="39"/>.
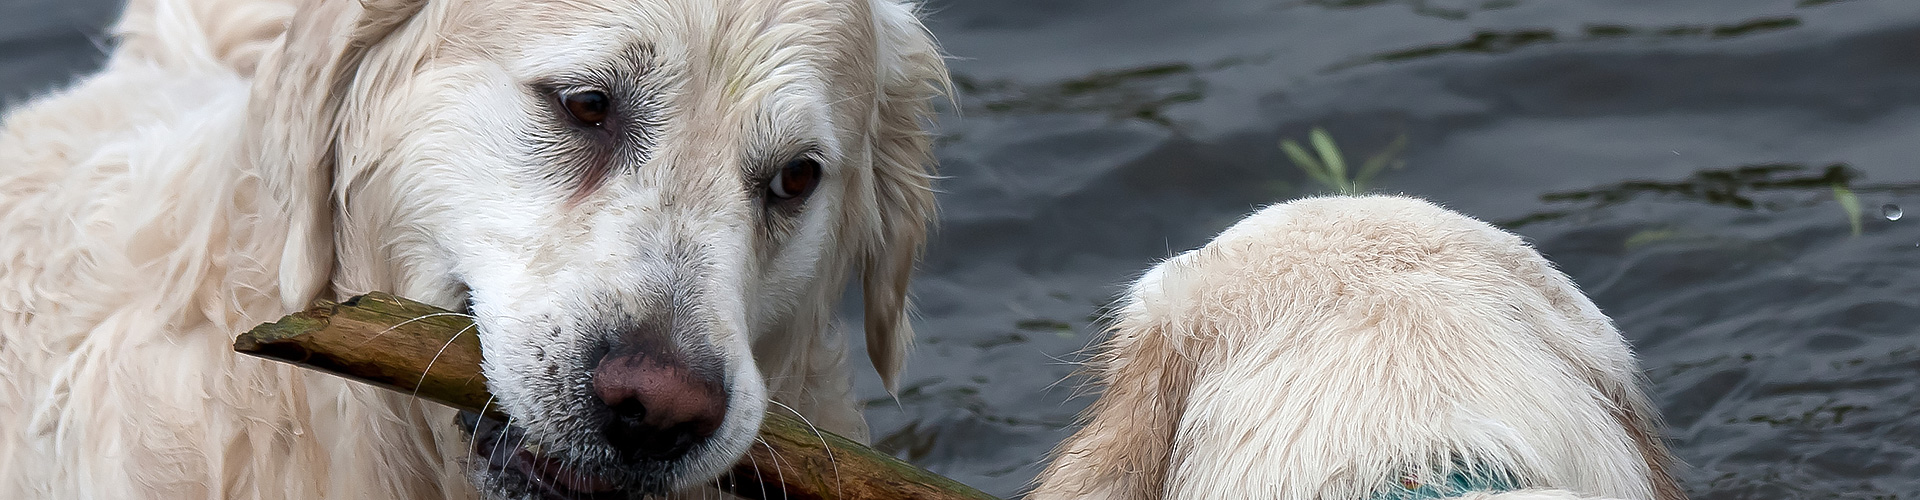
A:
<point x="1326" y="347"/>
<point x="150" y="211"/>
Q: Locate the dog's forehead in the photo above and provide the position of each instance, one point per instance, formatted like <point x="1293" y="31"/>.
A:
<point x="736" y="40"/>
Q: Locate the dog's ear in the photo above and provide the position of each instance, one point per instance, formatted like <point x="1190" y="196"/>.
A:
<point x="1146" y="368"/>
<point x="910" y="74"/>
<point x="294" y="120"/>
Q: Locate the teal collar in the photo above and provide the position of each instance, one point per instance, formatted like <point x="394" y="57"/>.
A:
<point x="1463" y="480"/>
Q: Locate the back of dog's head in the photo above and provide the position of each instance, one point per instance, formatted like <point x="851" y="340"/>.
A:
<point x="629" y="196"/>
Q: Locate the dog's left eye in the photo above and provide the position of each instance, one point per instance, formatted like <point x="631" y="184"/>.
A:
<point x="589" y="107"/>
<point x="795" y="180"/>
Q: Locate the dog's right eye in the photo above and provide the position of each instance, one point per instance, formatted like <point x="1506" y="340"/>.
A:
<point x="794" y="180"/>
<point x="589" y="107"/>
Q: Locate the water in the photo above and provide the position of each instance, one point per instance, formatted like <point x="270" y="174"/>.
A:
<point x="1678" y="159"/>
<point x="1890" y="211"/>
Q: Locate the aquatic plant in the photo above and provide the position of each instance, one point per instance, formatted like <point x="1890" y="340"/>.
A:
<point x="1650" y="236"/>
<point x="1848" y="203"/>
<point x="1329" y="167"/>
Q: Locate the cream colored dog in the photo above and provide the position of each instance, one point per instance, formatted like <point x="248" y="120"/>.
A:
<point x="650" y="207"/>
<point x="1362" y="348"/>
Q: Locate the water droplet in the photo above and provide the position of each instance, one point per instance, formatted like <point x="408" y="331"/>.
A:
<point x="1891" y="211"/>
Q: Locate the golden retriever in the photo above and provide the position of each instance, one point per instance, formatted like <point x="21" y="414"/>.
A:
<point x="1357" y="348"/>
<point x="649" y="207"/>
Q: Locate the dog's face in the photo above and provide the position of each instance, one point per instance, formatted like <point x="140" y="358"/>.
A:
<point x="626" y="194"/>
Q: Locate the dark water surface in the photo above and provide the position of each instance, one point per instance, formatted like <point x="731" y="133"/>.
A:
<point x="1678" y="158"/>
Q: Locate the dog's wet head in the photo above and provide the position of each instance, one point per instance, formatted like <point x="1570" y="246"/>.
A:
<point x="634" y="198"/>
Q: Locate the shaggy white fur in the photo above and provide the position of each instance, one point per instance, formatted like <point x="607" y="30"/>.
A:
<point x="236" y="159"/>
<point x="1330" y="348"/>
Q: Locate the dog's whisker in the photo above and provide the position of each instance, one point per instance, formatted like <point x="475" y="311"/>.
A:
<point x="779" y="472"/>
<point x="430" y="362"/>
<point x="758" y="476"/>
<point x="475" y="433"/>
<point x="409" y="321"/>
<point x="823" y="442"/>
<point x="495" y="454"/>
<point x="518" y="444"/>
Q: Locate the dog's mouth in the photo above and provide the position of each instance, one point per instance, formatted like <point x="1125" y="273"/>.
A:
<point x="643" y="422"/>
<point x="503" y="459"/>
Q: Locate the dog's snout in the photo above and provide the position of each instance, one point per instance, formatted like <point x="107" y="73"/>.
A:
<point x="660" y="406"/>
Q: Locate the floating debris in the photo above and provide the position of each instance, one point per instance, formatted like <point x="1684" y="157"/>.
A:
<point x="1755" y="26"/>
<point x="1142" y="92"/>
<point x="1745" y="187"/>
<point x="1495" y="42"/>
<point x="1484" y="42"/>
<point x="1420" y="7"/>
<point x="1042" y="324"/>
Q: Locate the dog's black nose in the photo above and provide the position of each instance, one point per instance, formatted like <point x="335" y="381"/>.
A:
<point x="660" y="407"/>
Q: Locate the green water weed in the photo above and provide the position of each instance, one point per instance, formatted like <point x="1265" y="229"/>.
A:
<point x="1328" y="166"/>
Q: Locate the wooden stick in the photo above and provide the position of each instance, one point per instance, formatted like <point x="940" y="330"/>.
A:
<point x="434" y="354"/>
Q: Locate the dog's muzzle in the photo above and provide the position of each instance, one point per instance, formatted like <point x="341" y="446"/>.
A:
<point x="651" y="404"/>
